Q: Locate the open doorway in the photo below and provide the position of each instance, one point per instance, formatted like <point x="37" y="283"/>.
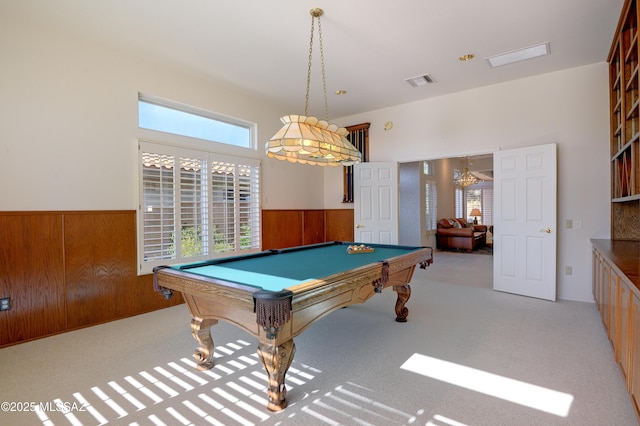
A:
<point x="430" y="192"/>
<point x="419" y="214"/>
<point x="524" y="211"/>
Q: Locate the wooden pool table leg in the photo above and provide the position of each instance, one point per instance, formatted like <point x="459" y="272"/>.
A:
<point x="404" y="292"/>
<point x="200" y="329"/>
<point x="276" y="361"/>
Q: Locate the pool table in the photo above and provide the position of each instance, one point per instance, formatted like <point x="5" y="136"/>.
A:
<point x="275" y="295"/>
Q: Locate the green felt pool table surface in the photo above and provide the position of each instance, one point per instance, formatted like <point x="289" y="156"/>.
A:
<point x="275" y="295"/>
<point x="279" y="269"/>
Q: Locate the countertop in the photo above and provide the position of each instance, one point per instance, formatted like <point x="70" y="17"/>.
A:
<point x="624" y="254"/>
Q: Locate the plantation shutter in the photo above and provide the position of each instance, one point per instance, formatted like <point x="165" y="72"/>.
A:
<point x="235" y="205"/>
<point x="195" y="204"/>
<point x="487" y="206"/>
<point x="459" y="202"/>
<point x="249" y="206"/>
<point x="158" y="206"/>
<point x="431" y="205"/>
<point x="223" y="205"/>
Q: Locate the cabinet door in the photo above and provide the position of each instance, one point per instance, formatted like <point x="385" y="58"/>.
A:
<point x="634" y="367"/>
<point x="605" y="302"/>
<point x="597" y="278"/>
<point x="624" y="327"/>
<point x="614" y="283"/>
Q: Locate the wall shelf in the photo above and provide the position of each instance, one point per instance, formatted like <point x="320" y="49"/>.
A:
<point x="626" y="199"/>
<point x="624" y="95"/>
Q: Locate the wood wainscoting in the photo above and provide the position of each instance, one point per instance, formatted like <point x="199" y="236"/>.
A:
<point x="68" y="270"/>
<point x="65" y="270"/>
<point x="291" y="228"/>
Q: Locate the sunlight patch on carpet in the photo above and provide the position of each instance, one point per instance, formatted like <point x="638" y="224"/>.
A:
<point x="518" y="392"/>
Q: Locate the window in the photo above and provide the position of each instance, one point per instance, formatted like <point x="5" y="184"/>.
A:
<point x="431" y="205"/>
<point x="170" y="117"/>
<point x="359" y="137"/>
<point x="459" y="202"/>
<point x="482" y="199"/>
<point x="427" y="168"/>
<point x="195" y="205"/>
<point x="431" y="197"/>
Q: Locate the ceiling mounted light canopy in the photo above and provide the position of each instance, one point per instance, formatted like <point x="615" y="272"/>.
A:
<point x="308" y="140"/>
<point x="519" y="55"/>
<point x="466" y="179"/>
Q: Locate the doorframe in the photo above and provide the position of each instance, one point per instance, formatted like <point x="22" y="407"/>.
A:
<point x="445" y="157"/>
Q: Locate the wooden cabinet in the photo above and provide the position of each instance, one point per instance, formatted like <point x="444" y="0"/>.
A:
<point x="616" y="262"/>
<point x="623" y="344"/>
<point x="606" y="296"/>
<point x="617" y="294"/>
<point x="624" y="95"/>
<point x="613" y="308"/>
<point x="594" y="273"/>
<point x="634" y="355"/>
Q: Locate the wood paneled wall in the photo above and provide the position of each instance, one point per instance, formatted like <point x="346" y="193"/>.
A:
<point x="32" y="275"/>
<point x="67" y="270"/>
<point x="290" y="228"/>
<point x="339" y="225"/>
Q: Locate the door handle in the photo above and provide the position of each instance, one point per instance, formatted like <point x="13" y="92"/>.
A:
<point x="359" y="226"/>
<point x="547" y="230"/>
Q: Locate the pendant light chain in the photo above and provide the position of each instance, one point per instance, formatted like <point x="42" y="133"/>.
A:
<point x="304" y="139"/>
<point x="306" y="103"/>
<point x="324" y="77"/>
<point x="314" y="15"/>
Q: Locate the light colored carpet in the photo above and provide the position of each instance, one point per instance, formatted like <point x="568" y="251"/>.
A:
<point x="471" y="356"/>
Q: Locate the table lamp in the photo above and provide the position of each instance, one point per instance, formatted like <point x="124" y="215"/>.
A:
<point x="475" y="213"/>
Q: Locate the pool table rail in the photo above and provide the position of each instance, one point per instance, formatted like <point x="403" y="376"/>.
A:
<point x="211" y="299"/>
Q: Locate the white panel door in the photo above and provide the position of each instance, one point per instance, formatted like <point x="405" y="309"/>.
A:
<point x="375" y="202"/>
<point x="524" y="241"/>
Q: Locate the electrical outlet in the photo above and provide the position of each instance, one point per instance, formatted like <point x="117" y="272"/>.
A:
<point x="568" y="270"/>
<point x="5" y="304"/>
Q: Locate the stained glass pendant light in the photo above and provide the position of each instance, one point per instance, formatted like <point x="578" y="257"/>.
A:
<point x="308" y="140"/>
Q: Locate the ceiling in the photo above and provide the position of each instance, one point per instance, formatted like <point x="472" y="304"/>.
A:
<point x="370" y="48"/>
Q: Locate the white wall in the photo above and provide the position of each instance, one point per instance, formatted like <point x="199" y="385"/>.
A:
<point x="569" y="108"/>
<point x="68" y="123"/>
<point x="446" y="188"/>
<point x="68" y="126"/>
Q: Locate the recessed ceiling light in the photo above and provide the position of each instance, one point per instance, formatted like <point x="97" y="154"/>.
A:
<point x="467" y="57"/>
<point x="519" y="55"/>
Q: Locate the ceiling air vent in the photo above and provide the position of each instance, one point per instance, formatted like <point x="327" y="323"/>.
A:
<point x="420" y="80"/>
